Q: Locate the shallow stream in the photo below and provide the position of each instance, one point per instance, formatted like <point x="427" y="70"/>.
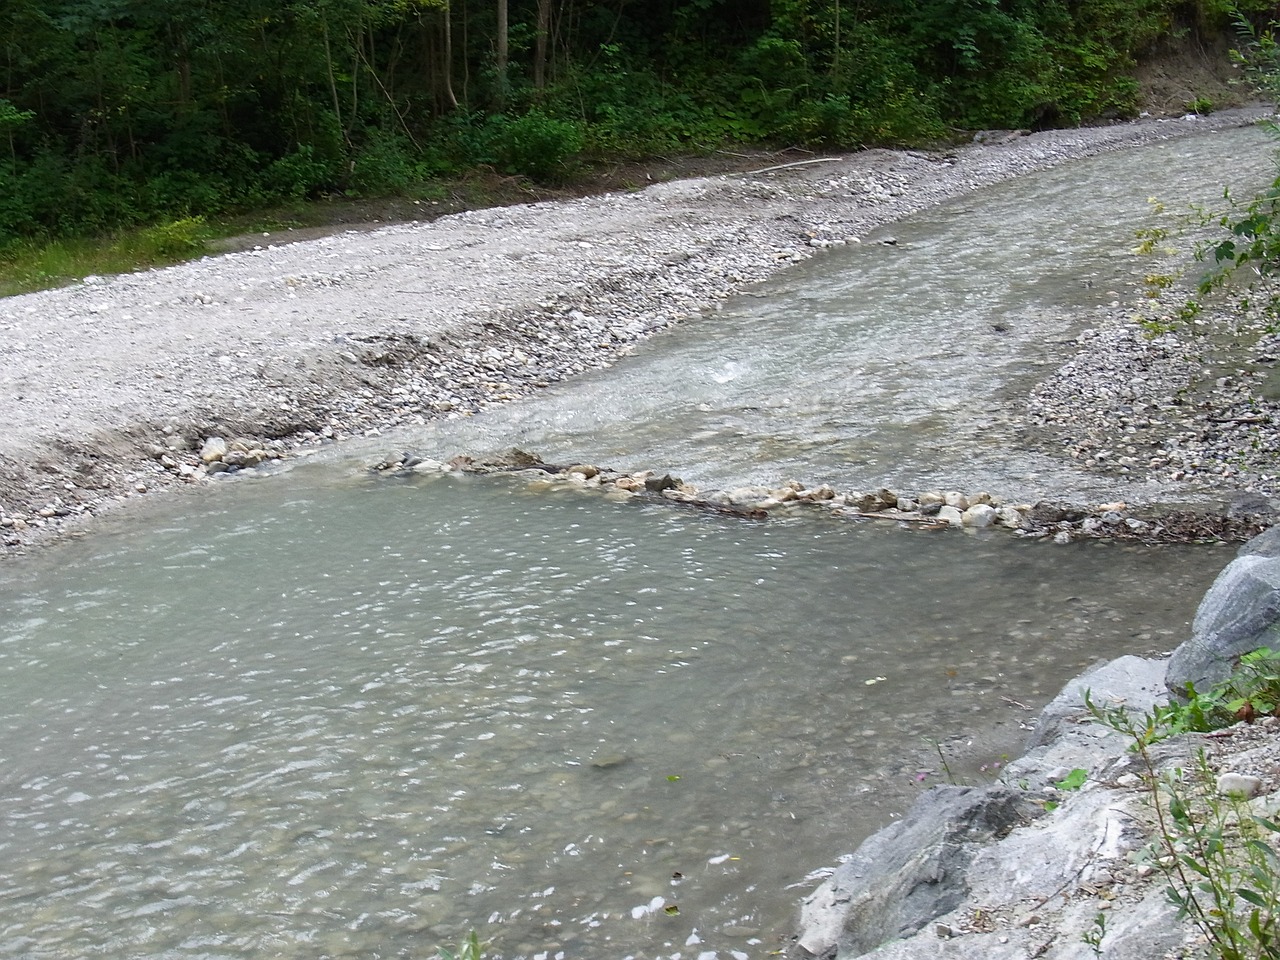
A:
<point x="336" y="715"/>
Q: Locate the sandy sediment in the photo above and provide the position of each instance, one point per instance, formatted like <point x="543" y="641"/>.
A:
<point x="110" y="388"/>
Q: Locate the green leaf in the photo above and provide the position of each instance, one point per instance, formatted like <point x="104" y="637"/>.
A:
<point x="1074" y="780"/>
<point x="1248" y="896"/>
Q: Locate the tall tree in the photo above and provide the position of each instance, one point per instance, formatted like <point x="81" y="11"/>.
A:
<point x="503" y="51"/>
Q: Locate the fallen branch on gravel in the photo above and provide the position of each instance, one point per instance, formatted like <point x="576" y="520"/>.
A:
<point x="787" y="166"/>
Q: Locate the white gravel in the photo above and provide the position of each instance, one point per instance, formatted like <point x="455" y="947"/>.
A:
<point x="108" y="389"/>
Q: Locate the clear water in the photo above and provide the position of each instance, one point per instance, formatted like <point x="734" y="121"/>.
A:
<point x="877" y="364"/>
<point x="357" y="720"/>
<point x="332" y="715"/>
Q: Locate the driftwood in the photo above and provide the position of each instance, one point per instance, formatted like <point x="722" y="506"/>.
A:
<point x="787" y="166"/>
<point x="902" y="518"/>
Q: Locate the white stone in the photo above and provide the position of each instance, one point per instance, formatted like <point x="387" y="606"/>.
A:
<point x="215" y="448"/>
<point x="1239" y="785"/>
<point x="952" y="515"/>
<point x="747" y="495"/>
<point x="979" y="515"/>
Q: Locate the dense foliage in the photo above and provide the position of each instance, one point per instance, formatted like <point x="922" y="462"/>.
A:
<point x="118" y="112"/>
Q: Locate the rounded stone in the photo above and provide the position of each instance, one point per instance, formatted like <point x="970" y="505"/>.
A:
<point x="979" y="515"/>
<point x="1239" y="785"/>
<point x="214" y="448"/>
<point x="952" y="515"/>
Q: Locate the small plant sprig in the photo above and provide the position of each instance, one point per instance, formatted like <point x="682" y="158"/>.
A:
<point x="1252" y="691"/>
<point x="1094" y="935"/>
<point x="1220" y="869"/>
<point x="471" y="949"/>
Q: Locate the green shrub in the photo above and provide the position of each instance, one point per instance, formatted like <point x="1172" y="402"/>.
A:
<point x="299" y="174"/>
<point x="1219" y="866"/>
<point x="386" y="164"/>
<point x="175" y="238"/>
<point x="537" y="146"/>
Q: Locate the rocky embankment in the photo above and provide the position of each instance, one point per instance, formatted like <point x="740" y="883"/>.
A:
<point x="113" y="389"/>
<point x="1038" y="865"/>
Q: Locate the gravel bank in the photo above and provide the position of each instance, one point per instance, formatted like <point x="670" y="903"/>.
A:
<point x="110" y="389"/>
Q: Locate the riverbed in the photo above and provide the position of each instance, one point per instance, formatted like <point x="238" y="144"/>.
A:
<point x="332" y="712"/>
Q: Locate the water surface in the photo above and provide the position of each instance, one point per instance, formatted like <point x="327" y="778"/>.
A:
<point x="902" y="365"/>
<point x="359" y="719"/>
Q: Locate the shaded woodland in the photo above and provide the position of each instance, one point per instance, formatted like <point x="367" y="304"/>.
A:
<point x="124" y="112"/>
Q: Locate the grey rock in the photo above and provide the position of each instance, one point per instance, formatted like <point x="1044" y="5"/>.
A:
<point x="1010" y="517"/>
<point x="1240" y="613"/>
<point x="665" y="482"/>
<point x="1248" y="504"/>
<point x="865" y="502"/>
<point x="1135" y="683"/>
<point x="1265" y="544"/>
<point x="909" y="874"/>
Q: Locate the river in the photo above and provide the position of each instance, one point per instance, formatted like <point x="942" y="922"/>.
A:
<point x="332" y="714"/>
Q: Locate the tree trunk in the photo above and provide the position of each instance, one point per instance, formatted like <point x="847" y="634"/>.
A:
<point x="503" y="52"/>
<point x="446" y="69"/>
<point x="835" y="60"/>
<point x="540" y="44"/>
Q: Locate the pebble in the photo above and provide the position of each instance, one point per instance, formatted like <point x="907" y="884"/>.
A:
<point x="1239" y="785"/>
<point x="1120" y="404"/>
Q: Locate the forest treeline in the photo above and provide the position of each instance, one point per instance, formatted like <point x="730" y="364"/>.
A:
<point x="121" y="112"/>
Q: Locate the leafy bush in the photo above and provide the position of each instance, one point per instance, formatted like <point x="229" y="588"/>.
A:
<point x="176" y="238"/>
<point x="299" y="174"/>
<point x="386" y="164"/>
<point x="1252" y="690"/>
<point x="537" y="146"/>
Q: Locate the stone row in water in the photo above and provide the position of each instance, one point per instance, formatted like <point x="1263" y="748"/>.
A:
<point x="931" y="509"/>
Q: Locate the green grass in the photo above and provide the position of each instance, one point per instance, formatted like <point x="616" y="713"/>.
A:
<point x="31" y="265"/>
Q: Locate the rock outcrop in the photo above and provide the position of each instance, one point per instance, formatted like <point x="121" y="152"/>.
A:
<point x="1051" y="861"/>
<point x="1240" y="613"/>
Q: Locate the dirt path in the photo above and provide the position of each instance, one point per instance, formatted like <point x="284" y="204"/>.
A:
<point x="109" y="389"/>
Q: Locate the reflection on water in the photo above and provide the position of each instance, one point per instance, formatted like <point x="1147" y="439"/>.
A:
<point x="366" y="719"/>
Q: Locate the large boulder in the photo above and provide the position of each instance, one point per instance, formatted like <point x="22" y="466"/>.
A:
<point x="1240" y="613"/>
<point x="910" y="873"/>
<point x="1134" y="683"/>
